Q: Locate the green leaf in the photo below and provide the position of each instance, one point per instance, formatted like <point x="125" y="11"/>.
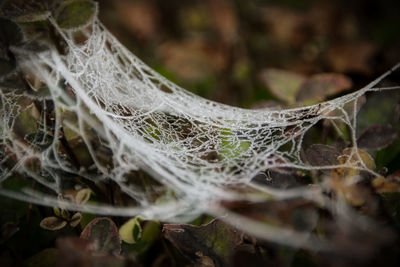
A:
<point x="131" y="231"/>
<point x="105" y="233"/>
<point x="74" y="14"/>
<point x="232" y="148"/>
<point x="53" y="223"/>
<point x="150" y="233"/>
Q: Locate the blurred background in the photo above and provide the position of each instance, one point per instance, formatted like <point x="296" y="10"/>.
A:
<point x="224" y="50"/>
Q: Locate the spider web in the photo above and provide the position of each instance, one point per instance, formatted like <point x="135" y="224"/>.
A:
<point x="126" y="117"/>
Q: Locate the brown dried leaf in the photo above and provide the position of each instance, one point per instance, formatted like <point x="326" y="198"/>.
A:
<point x="104" y="233"/>
<point x="285" y="26"/>
<point x="192" y="59"/>
<point x="377" y="137"/>
<point x="322" y="155"/>
<point x="362" y="155"/>
<point x="76" y="219"/>
<point x="387" y="185"/>
<point x="78" y="252"/>
<point x="320" y="86"/>
<point x="53" y="223"/>
<point x="282" y="84"/>
<point x="212" y="243"/>
<point x="351" y="57"/>
<point x="140" y="17"/>
<point x="343" y="179"/>
<point x="280" y="178"/>
<point x="295" y="213"/>
<point x="82" y="196"/>
<point x="390" y="184"/>
<point x="223" y="14"/>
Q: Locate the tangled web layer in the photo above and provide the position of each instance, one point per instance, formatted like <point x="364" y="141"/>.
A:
<point x="122" y="117"/>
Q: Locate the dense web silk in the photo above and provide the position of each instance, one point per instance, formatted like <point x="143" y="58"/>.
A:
<point x="129" y="118"/>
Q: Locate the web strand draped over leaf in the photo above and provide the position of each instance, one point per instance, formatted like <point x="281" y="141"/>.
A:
<point x="126" y="117"/>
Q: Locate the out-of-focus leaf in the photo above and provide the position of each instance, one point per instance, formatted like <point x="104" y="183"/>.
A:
<point x="297" y="213"/>
<point x="82" y="196"/>
<point x="34" y="16"/>
<point x="74" y="14"/>
<point x="359" y="154"/>
<point x="104" y="233"/>
<point x="223" y="14"/>
<point x="150" y="233"/>
<point x="57" y="211"/>
<point x="131" y="231"/>
<point x="351" y="57"/>
<point x="379" y="110"/>
<point x="39" y="139"/>
<point x="320" y="86"/>
<point x="387" y="185"/>
<point x="232" y="150"/>
<point x="212" y="243"/>
<point x="65" y="214"/>
<point x="140" y="18"/>
<point x="36" y="32"/>
<point x="53" y="223"/>
<point x="75" y="219"/>
<point x="8" y="230"/>
<point x="390" y="184"/>
<point x="46" y="257"/>
<point x="377" y="137"/>
<point x="286" y="26"/>
<point x="74" y="251"/>
<point x="344" y="179"/>
<point x="283" y="84"/>
<point x="280" y="178"/>
<point x="322" y="155"/>
<point x="192" y="59"/>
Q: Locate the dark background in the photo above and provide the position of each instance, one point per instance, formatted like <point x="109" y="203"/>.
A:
<point x="219" y="48"/>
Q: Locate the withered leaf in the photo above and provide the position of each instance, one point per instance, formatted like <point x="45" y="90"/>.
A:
<point x="351" y="57"/>
<point x="322" y="155"/>
<point x="280" y="178"/>
<point x="283" y="84"/>
<point x="53" y="223"/>
<point x="76" y="219"/>
<point x="377" y="137"/>
<point x="225" y="21"/>
<point x="320" y="86"/>
<point x="82" y="196"/>
<point x="216" y="241"/>
<point x="76" y="252"/>
<point x="139" y="17"/>
<point x="192" y="59"/>
<point x="104" y="233"/>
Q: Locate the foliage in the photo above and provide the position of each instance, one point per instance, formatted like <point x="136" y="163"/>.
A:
<point x="39" y="236"/>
